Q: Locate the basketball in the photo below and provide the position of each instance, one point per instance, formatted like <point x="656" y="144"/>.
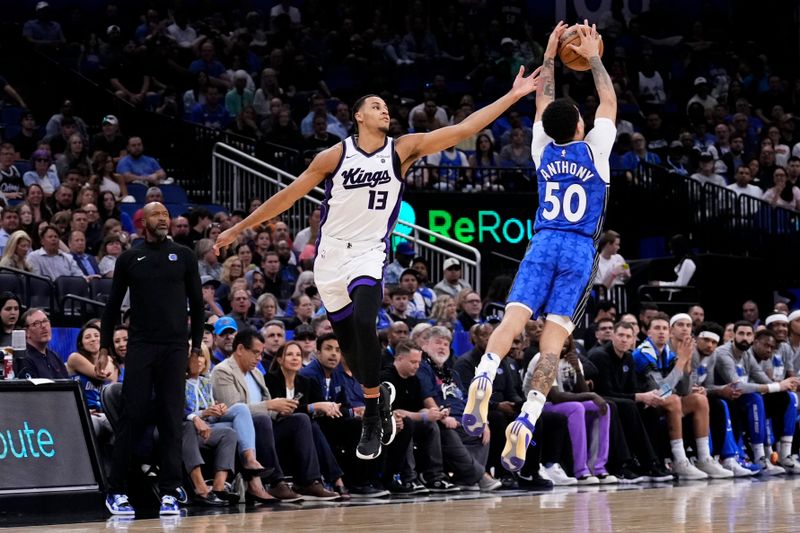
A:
<point x="568" y="56"/>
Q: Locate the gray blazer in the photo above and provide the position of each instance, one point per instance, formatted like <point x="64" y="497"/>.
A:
<point x="229" y="386"/>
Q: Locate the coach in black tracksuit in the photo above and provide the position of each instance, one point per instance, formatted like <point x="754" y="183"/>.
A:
<point x="161" y="276"/>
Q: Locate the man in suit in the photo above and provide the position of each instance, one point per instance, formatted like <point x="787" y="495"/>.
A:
<point x="77" y="247"/>
<point x="280" y="433"/>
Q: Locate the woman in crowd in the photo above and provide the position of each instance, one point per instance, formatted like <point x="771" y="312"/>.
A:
<point x="9" y="315"/>
<point x="304" y="280"/>
<point x="105" y="177"/>
<point x="245" y="254"/>
<point x="284" y="381"/>
<point x="75" y="155"/>
<point x="213" y="422"/>
<point x="110" y="250"/>
<point x="267" y="308"/>
<point x="26" y="222"/>
<point x="81" y="364"/>
<point x="42" y="174"/>
<point x="444" y="312"/>
<point x="485" y="162"/>
<point x="207" y="261"/>
<point x="109" y="209"/>
<point x="120" y="348"/>
<point x="231" y="271"/>
<point x="782" y="193"/>
<point x="15" y="254"/>
<point x="261" y="245"/>
<point x="34" y="198"/>
<point x="212" y="231"/>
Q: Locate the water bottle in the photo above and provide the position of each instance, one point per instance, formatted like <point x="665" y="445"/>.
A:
<point x="8" y="364"/>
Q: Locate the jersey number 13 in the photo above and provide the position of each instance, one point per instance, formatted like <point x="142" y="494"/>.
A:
<point x="558" y="203"/>
<point x="377" y="199"/>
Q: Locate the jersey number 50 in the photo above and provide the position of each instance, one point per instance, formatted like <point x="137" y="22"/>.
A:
<point x="557" y="205"/>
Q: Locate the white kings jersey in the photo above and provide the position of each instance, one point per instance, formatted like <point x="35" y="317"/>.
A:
<point x="362" y="196"/>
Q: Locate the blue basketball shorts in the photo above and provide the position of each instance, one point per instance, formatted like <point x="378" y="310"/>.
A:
<point x="556" y="274"/>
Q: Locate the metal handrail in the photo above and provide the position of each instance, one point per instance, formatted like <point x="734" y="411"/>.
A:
<point x="423" y="237"/>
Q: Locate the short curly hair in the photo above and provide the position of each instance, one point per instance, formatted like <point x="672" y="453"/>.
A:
<point x="560" y="120"/>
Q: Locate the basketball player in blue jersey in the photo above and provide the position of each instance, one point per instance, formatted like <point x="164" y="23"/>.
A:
<point x="555" y="277"/>
<point x="363" y="180"/>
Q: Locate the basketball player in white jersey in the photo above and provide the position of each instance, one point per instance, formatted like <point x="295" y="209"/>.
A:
<point x="363" y="180"/>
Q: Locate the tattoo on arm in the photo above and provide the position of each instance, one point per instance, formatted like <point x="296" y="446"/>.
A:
<point x="548" y="78"/>
<point x="601" y="78"/>
<point x="545" y="372"/>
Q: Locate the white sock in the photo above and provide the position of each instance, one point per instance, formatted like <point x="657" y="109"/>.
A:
<point x="758" y="452"/>
<point x="678" y="453"/>
<point x="785" y="447"/>
<point x="534" y="405"/>
<point x="488" y="365"/>
<point x="703" y="452"/>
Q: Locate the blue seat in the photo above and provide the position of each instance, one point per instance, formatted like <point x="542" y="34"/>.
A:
<point x="130" y="209"/>
<point x="176" y="210"/>
<point x="23" y="166"/>
<point x="138" y="191"/>
<point x="174" y="194"/>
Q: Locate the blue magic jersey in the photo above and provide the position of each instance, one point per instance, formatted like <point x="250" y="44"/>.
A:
<point x="573" y="180"/>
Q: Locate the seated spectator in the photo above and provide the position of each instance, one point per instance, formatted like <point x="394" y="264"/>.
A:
<point x="35" y="200"/>
<point x="588" y="416"/>
<point x="303" y="311"/>
<point x="207" y="261"/>
<point x="742" y="185"/>
<point x="211" y="114"/>
<point x="306" y="338"/>
<point x="307" y="235"/>
<point x="420" y="420"/>
<point x="422" y="298"/>
<point x="451" y="283"/>
<point x="686" y="267"/>
<point x="317" y="105"/>
<point x="9" y="316"/>
<point x="236" y="381"/>
<point x="245" y="254"/>
<point x="451" y="167"/>
<point x="232" y="270"/>
<point x="284" y="381"/>
<point x="240" y="307"/>
<point x="62" y="200"/>
<point x="139" y="168"/>
<point x="267" y="309"/>
<point x="403" y="253"/>
<point x="77" y="248"/>
<point x="400" y="310"/>
<point x="209" y="286"/>
<point x="42" y="174"/>
<point x="11" y="183"/>
<point x="81" y="365"/>
<point x="50" y="260"/>
<point x="9" y="223"/>
<point x="27" y="140"/>
<point x="245" y="124"/>
<point x="611" y="266"/>
<point x="109" y="141"/>
<point x="494" y="304"/>
<point x="110" y="251"/>
<point x="484" y="163"/>
<point x="471" y="306"/>
<point x="39" y="361"/>
<point x="239" y="96"/>
<point x="225" y="329"/>
<point x="219" y="428"/>
<point x="105" y="176"/>
<point x="444" y="312"/>
<point x="320" y="138"/>
<point x="706" y="174"/>
<point x="441" y="386"/>
<point x="75" y="156"/>
<point x="43" y="31"/>
<point x="214" y="70"/>
<point x="516" y="153"/>
<point x="15" y="252"/>
<point x="781" y="194"/>
<point x="639" y="154"/>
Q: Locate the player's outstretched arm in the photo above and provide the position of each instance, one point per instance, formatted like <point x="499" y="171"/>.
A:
<point x="547" y="78"/>
<point x="414" y="146"/>
<point x="590" y="49"/>
<point x="320" y="167"/>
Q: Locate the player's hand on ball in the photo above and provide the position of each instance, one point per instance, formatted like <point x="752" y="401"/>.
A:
<point x="590" y="41"/>
<point x="555" y="37"/>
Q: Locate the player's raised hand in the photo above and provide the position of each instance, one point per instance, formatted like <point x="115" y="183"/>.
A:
<point x="225" y="239"/>
<point x="524" y="85"/>
<point x="555" y="37"/>
<point x="590" y="41"/>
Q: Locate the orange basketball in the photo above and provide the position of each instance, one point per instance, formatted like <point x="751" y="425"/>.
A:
<point x="568" y="56"/>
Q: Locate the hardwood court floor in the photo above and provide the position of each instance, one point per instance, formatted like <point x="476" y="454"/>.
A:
<point x="742" y="506"/>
